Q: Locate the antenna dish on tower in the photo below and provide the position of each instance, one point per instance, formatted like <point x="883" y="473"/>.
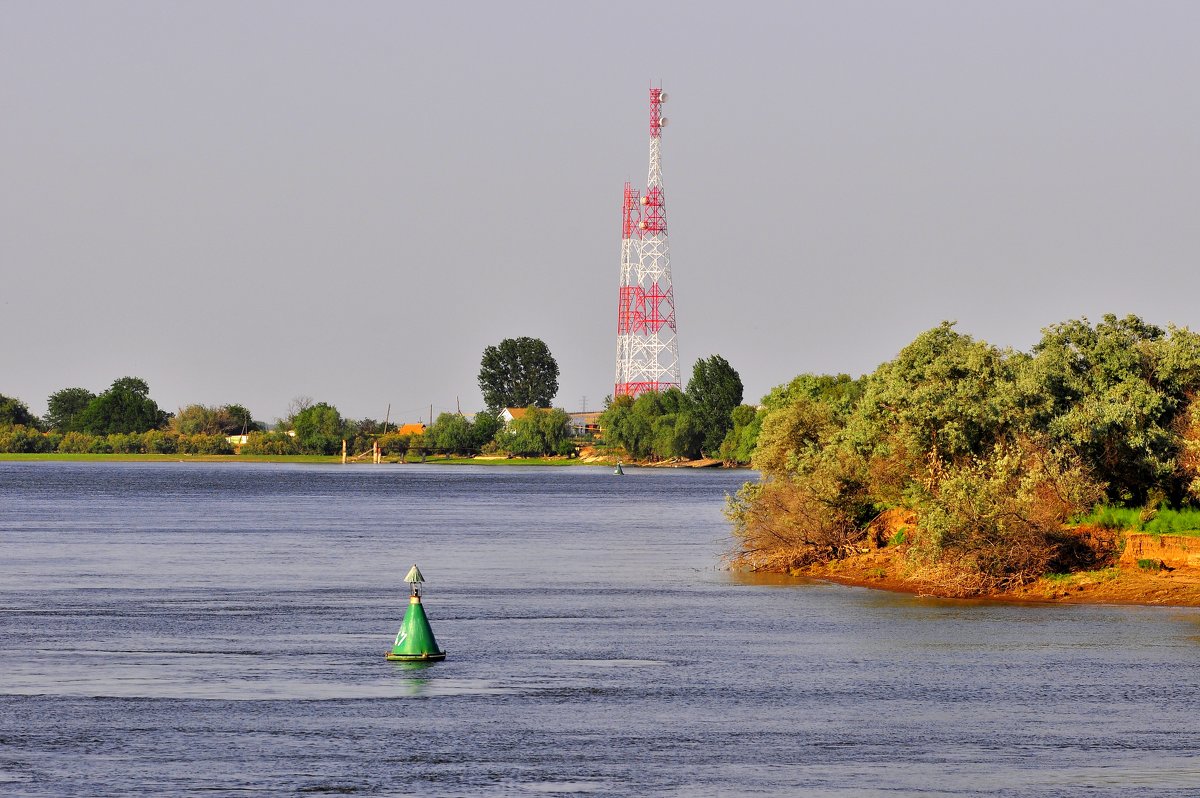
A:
<point x="662" y="97"/>
<point x="662" y="122"/>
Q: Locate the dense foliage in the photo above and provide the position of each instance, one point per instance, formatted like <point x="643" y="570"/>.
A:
<point x="224" y="420"/>
<point x="704" y="420"/>
<point x="992" y="450"/>
<point x="81" y="422"/>
<point x="715" y="390"/>
<point x="518" y="372"/>
<point x="65" y="407"/>
<point x="126" y="407"/>
<point x="320" y="429"/>
<point x="538" y="432"/>
<point x="14" y="411"/>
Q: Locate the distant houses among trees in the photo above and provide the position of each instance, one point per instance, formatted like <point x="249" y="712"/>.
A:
<point x="518" y="378"/>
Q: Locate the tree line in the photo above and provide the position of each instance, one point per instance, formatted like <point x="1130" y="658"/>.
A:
<point x="518" y="373"/>
<point x="124" y="420"/>
<point x="707" y="418"/>
<point x="991" y="452"/>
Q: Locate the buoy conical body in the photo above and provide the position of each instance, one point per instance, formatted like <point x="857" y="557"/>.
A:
<point x="415" y="641"/>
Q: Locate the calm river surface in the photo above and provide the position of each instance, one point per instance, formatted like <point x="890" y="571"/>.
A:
<point x="192" y="628"/>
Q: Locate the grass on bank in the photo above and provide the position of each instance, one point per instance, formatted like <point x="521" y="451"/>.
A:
<point x="507" y="461"/>
<point x="171" y="459"/>
<point x="276" y="458"/>
<point x="1106" y="574"/>
<point x="1155" y="522"/>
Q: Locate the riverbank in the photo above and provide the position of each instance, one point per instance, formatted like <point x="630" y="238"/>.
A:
<point x="1141" y="581"/>
<point x="287" y="458"/>
<point x="168" y="458"/>
<point x="485" y="460"/>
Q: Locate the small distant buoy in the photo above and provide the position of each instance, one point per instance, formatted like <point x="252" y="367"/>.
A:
<point x="620" y="472"/>
<point x="415" y="641"/>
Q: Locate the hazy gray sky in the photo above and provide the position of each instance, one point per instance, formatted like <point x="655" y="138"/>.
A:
<point x="244" y="202"/>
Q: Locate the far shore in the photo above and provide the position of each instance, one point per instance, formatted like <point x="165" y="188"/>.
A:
<point x="484" y="460"/>
<point x="318" y="459"/>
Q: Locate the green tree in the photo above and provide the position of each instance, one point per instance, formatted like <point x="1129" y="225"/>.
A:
<point x="450" y="433"/>
<point x="617" y="422"/>
<point x="554" y="426"/>
<point x="629" y="423"/>
<point x="518" y="372"/>
<point x="944" y="392"/>
<point x="393" y="443"/>
<point x="196" y="420"/>
<point x="739" y="444"/>
<point x="210" y="420"/>
<point x="539" y="431"/>
<point x="240" y="421"/>
<point x="840" y="392"/>
<point x="485" y="428"/>
<point x="14" y="411"/>
<point x="272" y="443"/>
<point x="715" y="390"/>
<point x="320" y="429"/>
<point x="660" y="425"/>
<point x="1116" y="392"/>
<point x="124" y="407"/>
<point x="674" y="423"/>
<point x="65" y="407"/>
<point x="794" y="434"/>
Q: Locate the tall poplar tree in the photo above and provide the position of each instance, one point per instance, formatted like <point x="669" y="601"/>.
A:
<point x="518" y="372"/>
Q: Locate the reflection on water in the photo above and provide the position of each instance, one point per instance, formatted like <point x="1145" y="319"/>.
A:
<point x="187" y="627"/>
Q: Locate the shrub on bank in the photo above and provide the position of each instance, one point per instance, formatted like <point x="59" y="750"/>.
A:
<point x="204" y="444"/>
<point x="394" y="444"/>
<point x="992" y="451"/>
<point x="125" y="443"/>
<point x="19" y="439"/>
<point x="158" y="442"/>
<point x="270" y="443"/>
<point x="993" y="522"/>
<point x="76" y="443"/>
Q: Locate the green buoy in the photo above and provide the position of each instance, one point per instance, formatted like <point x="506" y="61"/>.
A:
<point x="618" y="470"/>
<point x="415" y="641"/>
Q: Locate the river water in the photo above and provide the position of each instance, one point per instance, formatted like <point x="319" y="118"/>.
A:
<point x="192" y="628"/>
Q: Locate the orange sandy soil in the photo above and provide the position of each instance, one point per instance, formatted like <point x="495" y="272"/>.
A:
<point x="883" y="569"/>
<point x="1177" y="583"/>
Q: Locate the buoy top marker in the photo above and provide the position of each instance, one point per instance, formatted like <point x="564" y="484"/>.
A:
<point x="414" y="575"/>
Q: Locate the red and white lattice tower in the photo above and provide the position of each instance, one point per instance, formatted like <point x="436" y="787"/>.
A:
<point x="647" y="353"/>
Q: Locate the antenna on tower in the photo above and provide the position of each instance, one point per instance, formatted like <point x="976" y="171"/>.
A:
<point x="647" y="349"/>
